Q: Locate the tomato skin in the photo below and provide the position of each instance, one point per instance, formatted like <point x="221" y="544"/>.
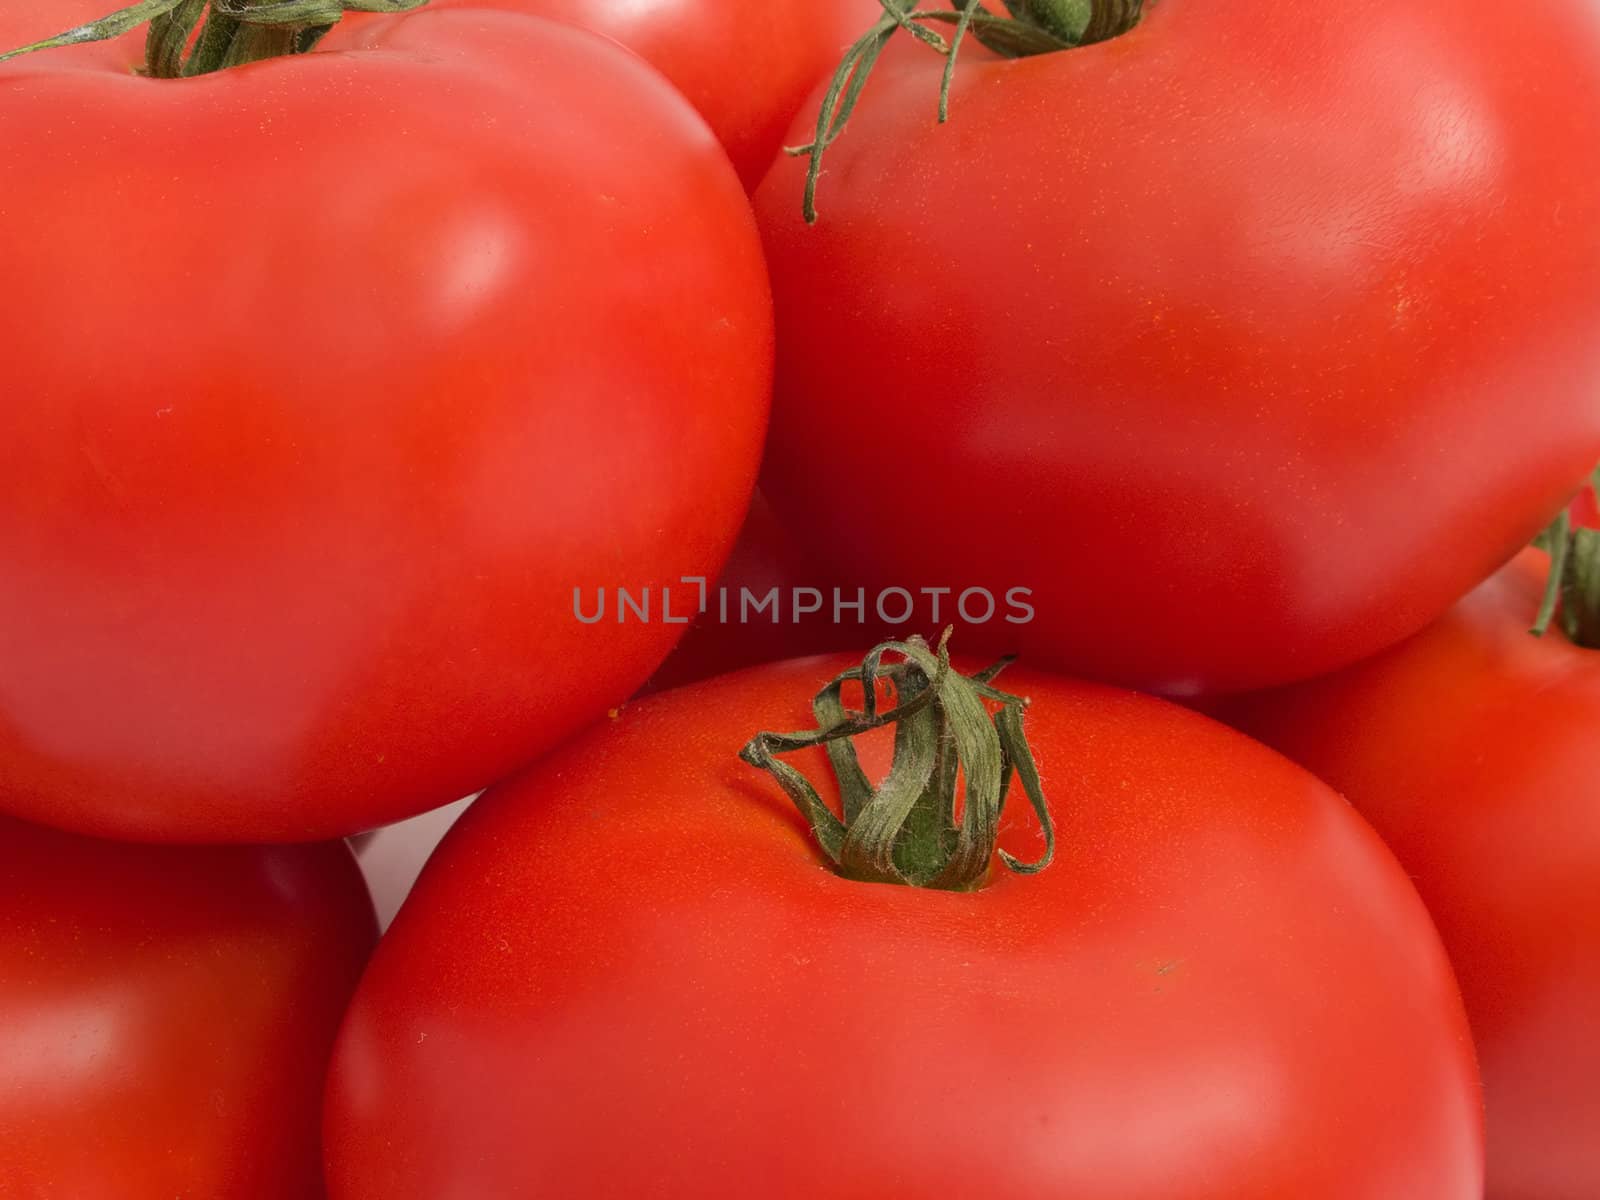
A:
<point x="166" y="1014"/>
<point x="1223" y="988"/>
<point x="1472" y="749"/>
<point x="294" y="513"/>
<point x="1140" y="307"/>
<point x="746" y="68"/>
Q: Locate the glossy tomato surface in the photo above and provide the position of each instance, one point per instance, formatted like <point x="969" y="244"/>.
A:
<point x="1472" y="748"/>
<point x="1139" y="310"/>
<point x="629" y="973"/>
<point x="166" y="1015"/>
<point x="330" y="379"/>
<point x="746" y="67"/>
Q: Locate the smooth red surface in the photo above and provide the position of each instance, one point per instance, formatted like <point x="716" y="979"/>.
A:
<point x="628" y="974"/>
<point x="1139" y="309"/>
<point x="746" y="66"/>
<point x="166" y="1015"/>
<point x="328" y="380"/>
<point x="1473" y="749"/>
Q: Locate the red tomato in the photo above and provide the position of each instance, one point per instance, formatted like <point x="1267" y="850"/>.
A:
<point x="745" y="66"/>
<point x="166" y="1014"/>
<point x="1472" y="748"/>
<point x="322" y="399"/>
<point x="1139" y="307"/>
<point x="628" y="973"/>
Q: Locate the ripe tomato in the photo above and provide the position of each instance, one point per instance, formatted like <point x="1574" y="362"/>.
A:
<point x="1472" y="749"/>
<point x="1139" y="307"/>
<point x="166" y="1014"/>
<point x="322" y="399"/>
<point x="629" y="973"/>
<point x="746" y="67"/>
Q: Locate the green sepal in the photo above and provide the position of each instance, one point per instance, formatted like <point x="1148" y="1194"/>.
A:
<point x="1033" y="27"/>
<point x="306" y="12"/>
<point x="904" y="829"/>
<point x="1580" y="589"/>
<point x="168" y="38"/>
<point x="232" y="32"/>
<point x="1064" y="19"/>
<point x="103" y="30"/>
<point x="1556" y="539"/>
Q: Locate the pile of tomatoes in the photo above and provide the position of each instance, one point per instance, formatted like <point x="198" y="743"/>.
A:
<point x="1219" y="363"/>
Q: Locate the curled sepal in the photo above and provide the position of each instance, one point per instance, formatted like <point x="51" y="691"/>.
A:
<point x="106" y="28"/>
<point x="1032" y="27"/>
<point x="1008" y="39"/>
<point x="1110" y="18"/>
<point x="1557" y="540"/>
<point x="1572" y="585"/>
<point x="1580" y="589"/>
<point x="231" y="32"/>
<point x="903" y="830"/>
<point x="1019" y="758"/>
<point x="167" y="40"/>
<point x="306" y="12"/>
<point x="1066" y="19"/>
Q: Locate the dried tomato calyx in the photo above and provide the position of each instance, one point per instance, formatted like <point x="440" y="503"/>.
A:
<point x="197" y="37"/>
<point x="904" y="829"/>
